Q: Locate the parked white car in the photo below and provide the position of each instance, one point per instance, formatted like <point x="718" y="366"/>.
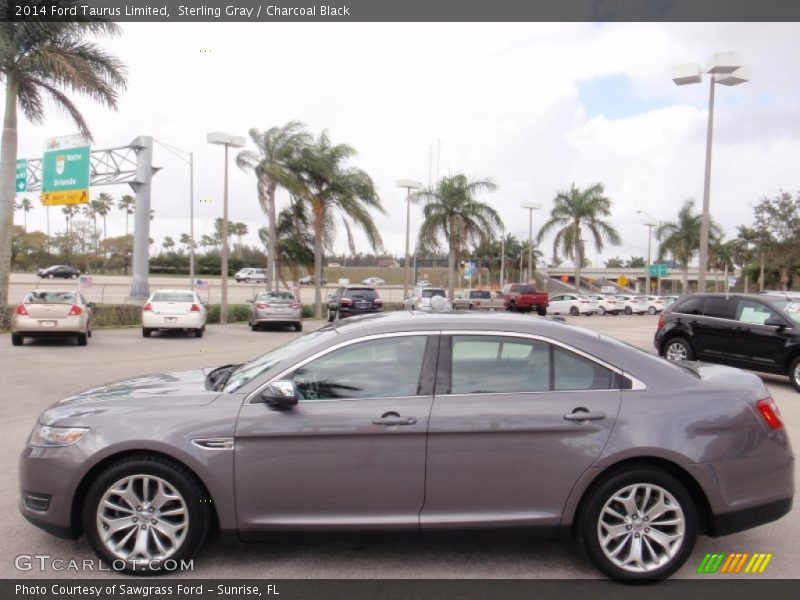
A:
<point x="572" y="304"/>
<point x="373" y="281"/>
<point x="651" y="304"/>
<point x="174" y="309"/>
<point x="608" y="305"/>
<point x="420" y="299"/>
<point x="631" y="304"/>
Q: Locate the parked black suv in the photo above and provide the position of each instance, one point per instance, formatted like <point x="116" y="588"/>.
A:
<point x="353" y="300"/>
<point x="751" y="331"/>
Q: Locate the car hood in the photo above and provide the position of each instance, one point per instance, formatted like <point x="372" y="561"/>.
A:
<point x="176" y="387"/>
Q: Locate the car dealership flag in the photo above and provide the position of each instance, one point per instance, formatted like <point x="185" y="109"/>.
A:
<point x="201" y="284"/>
<point x="85" y="282"/>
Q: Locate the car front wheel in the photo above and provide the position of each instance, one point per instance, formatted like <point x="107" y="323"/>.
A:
<point x="678" y="349"/>
<point x="651" y="310"/>
<point x="794" y="373"/>
<point x="639" y="524"/>
<point x="601" y="311"/>
<point x="16" y="339"/>
<point x="144" y="510"/>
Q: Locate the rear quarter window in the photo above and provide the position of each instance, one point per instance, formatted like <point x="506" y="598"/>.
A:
<point x="689" y="306"/>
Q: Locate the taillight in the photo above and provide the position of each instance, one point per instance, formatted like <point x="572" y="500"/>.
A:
<point x="769" y="411"/>
<point x="660" y="322"/>
<point x="21" y="310"/>
<point x="195" y="308"/>
<point x="294" y="306"/>
<point x="75" y="310"/>
<point x="377" y="301"/>
<point x="345" y="301"/>
<point x="262" y="305"/>
<point x="147" y="307"/>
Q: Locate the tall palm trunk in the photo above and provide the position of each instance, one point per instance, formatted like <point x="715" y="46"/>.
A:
<point x="685" y="278"/>
<point x="578" y="259"/>
<point x="452" y="246"/>
<point x="319" y="216"/>
<point x="273" y="236"/>
<point x="8" y="170"/>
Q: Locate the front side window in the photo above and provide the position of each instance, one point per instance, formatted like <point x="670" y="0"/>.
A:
<point x="750" y="311"/>
<point x="497" y="364"/>
<point x="382" y="368"/>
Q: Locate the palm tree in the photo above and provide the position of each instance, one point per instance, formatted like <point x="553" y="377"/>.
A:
<point x="128" y="204"/>
<point x="70" y="211"/>
<point x="681" y="239"/>
<point x="451" y="212"/>
<point x="745" y="236"/>
<point x="321" y="178"/>
<point x="26" y="206"/>
<point x="52" y="60"/>
<point x="576" y="210"/>
<point x="168" y="244"/>
<point x="276" y="149"/>
<point x="102" y="206"/>
<point x="90" y="210"/>
<point x="295" y="243"/>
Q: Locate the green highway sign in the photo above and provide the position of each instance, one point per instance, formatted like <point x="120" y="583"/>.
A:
<point x="659" y="270"/>
<point x="65" y="176"/>
<point x="22" y="175"/>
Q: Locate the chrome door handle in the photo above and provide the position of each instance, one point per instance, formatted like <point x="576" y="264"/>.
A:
<point x="395" y="421"/>
<point x="585" y="416"/>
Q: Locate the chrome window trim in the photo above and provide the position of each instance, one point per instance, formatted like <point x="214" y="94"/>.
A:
<point x="330" y="349"/>
<point x="636" y="384"/>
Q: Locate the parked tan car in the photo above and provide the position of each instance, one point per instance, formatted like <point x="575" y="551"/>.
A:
<point x="52" y="313"/>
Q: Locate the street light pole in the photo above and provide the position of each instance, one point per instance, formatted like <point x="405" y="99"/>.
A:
<point x="531" y="206"/>
<point x="725" y="68"/>
<point x="226" y="140"/>
<point x="409" y="185"/>
<point x="502" y="259"/>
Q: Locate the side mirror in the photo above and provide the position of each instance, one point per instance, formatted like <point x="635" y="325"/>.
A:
<point x="280" y="394"/>
<point x="775" y="322"/>
<point x="91" y="304"/>
<point x="249" y="301"/>
<point x="330" y="297"/>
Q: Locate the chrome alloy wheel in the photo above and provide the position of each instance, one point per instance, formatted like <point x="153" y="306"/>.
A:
<point x="641" y="528"/>
<point x="142" y="518"/>
<point x="676" y="351"/>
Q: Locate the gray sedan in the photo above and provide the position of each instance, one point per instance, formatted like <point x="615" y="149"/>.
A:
<point x="275" y="307"/>
<point x="417" y="422"/>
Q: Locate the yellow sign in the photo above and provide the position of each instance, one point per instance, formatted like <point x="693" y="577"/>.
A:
<point x="622" y="280"/>
<point x="65" y="197"/>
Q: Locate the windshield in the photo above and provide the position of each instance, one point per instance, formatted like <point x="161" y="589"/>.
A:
<point x="790" y="307"/>
<point x="262" y="364"/>
<point x="50" y="298"/>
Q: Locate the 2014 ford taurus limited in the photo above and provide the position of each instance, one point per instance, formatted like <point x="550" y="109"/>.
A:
<point x="418" y="422"/>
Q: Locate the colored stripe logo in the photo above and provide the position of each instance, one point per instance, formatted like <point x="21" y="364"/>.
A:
<point x="735" y="562"/>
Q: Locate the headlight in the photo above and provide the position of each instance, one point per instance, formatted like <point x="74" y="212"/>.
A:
<point x="42" y="435"/>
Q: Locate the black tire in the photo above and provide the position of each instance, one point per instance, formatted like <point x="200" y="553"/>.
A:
<point x="89" y="333"/>
<point x="601" y="310"/>
<point x="651" y="310"/>
<point x="628" y="310"/>
<point x="198" y="333"/>
<point x="196" y="501"/>
<point x="574" y="311"/>
<point x="330" y="316"/>
<point x="247" y="280"/>
<point x="542" y="312"/>
<point x="254" y="327"/>
<point x="146" y="332"/>
<point x="298" y="327"/>
<point x="16" y="339"/>
<point x="512" y="307"/>
<point x="588" y="522"/>
<point x="83" y="339"/>
<point x="794" y="373"/>
<point x="678" y="347"/>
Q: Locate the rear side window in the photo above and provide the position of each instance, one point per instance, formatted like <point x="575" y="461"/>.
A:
<point x="574" y="372"/>
<point x="690" y="306"/>
<point x="527" y="289"/>
<point x="718" y="307"/>
<point x="480" y="294"/>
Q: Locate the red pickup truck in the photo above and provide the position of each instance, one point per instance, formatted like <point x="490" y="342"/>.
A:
<point x="523" y="297"/>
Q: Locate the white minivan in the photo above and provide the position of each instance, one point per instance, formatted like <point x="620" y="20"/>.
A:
<point x="250" y="274"/>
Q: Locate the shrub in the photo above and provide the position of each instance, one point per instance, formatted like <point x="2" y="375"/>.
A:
<point x="237" y="313"/>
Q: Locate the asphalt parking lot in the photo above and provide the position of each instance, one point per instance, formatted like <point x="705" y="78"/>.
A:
<point x="40" y="373"/>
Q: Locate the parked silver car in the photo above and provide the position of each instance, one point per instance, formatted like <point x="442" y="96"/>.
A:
<point x="275" y="307"/>
<point x="417" y="422"/>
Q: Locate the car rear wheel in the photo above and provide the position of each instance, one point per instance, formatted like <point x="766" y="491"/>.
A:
<point x="601" y="311"/>
<point x="794" y="373"/>
<point x="198" y="333"/>
<point x="16" y="339"/>
<point x="628" y="310"/>
<point x="144" y="510"/>
<point x="146" y="332"/>
<point x="678" y="349"/>
<point x="574" y="311"/>
<point x="298" y="327"/>
<point x="651" y="310"/>
<point x="542" y="312"/>
<point x="331" y="315"/>
<point x="83" y="339"/>
<point x="253" y="326"/>
<point x="639" y="524"/>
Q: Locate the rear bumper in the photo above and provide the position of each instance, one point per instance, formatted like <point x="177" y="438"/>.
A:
<point x="747" y="518"/>
<point x="32" y="326"/>
<point x="161" y="321"/>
